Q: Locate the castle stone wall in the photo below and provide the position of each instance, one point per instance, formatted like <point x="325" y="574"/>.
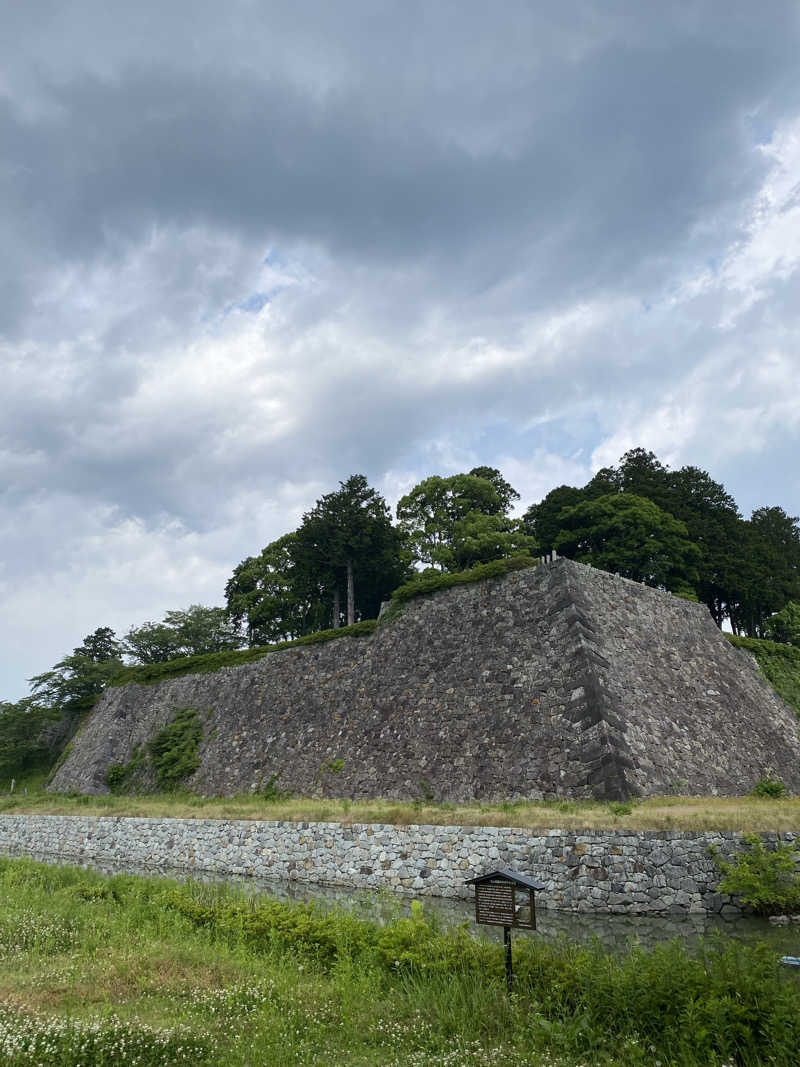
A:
<point x="558" y="680"/>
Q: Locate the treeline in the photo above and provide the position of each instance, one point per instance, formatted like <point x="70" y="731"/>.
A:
<point x="674" y="529"/>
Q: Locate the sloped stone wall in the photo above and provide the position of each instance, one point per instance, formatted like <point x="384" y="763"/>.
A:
<point x="559" y="680"/>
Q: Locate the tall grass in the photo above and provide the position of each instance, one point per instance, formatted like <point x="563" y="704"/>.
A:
<point x="152" y="972"/>
<point x="654" y="813"/>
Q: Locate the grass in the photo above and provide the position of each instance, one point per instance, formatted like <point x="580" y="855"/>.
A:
<point x="745" y="813"/>
<point x="779" y="663"/>
<point x="142" y="971"/>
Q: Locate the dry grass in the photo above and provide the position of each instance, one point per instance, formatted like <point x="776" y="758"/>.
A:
<point x="654" y="813"/>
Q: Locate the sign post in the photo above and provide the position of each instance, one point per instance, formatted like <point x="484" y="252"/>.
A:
<point x="505" y="898"/>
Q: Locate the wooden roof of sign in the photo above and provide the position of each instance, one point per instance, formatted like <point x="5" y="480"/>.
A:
<point x="506" y="876"/>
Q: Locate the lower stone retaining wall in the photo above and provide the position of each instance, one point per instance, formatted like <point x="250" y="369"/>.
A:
<point x="625" y="871"/>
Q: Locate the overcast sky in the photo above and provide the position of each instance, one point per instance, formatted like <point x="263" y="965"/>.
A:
<point x="251" y="248"/>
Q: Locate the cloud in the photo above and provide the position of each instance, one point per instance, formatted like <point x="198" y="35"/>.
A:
<point x="247" y="254"/>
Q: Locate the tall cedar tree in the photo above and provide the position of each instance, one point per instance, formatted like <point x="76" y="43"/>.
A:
<point x="347" y="550"/>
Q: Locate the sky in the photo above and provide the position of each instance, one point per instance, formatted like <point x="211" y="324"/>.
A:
<point x="252" y="248"/>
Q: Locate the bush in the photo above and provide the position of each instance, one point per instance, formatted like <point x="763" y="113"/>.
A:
<point x="769" y="787"/>
<point x="765" y="879"/>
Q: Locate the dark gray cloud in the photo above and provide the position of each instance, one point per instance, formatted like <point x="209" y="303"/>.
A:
<point x="250" y="249"/>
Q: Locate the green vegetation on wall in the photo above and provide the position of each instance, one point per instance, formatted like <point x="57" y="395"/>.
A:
<point x="152" y="673"/>
<point x="764" y="878"/>
<point x="433" y="582"/>
<point x="780" y="665"/>
<point x="174" y="749"/>
<point x="119" y="776"/>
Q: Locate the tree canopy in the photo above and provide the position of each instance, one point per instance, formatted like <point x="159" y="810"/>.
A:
<point x="632" y="536"/>
<point x="191" y="632"/>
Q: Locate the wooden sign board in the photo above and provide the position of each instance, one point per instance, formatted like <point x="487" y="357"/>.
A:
<point x="501" y="903"/>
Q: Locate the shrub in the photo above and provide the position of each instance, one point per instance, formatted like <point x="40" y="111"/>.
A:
<point x="119" y="775"/>
<point x="769" y="787"/>
<point x="763" y="878"/>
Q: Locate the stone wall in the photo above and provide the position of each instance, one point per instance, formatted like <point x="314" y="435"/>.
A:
<point x="558" y="680"/>
<point x="630" y="872"/>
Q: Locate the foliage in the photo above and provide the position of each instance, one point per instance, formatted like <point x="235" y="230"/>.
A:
<point x="72" y="686"/>
<point x="348" y="553"/>
<point x="631" y="535"/>
<point x="780" y="665"/>
<point x="174" y="749"/>
<point x="152" y="673"/>
<point x="266" y="593"/>
<point x="784" y="625"/>
<point x="746" y="569"/>
<point x="480" y="538"/>
<point x="764" y="878"/>
<point x="441" y="513"/>
<point x="119" y="775"/>
<point x="506" y="493"/>
<point x="433" y="581"/>
<point x="197" y="631"/>
<point x="23" y="746"/>
<point x="728" y="1002"/>
<point x="205" y="975"/>
<point x="770" y="787"/>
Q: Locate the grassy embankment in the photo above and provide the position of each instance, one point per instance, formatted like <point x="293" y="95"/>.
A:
<point x="654" y="813"/>
<point x="97" y="970"/>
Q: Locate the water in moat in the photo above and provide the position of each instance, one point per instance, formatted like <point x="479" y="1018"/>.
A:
<point x="615" y="932"/>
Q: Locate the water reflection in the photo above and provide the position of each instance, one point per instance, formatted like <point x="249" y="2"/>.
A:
<point x="615" y="932"/>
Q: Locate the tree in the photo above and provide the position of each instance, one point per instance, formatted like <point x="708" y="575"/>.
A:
<point x="267" y="593"/>
<point x="73" y="684"/>
<point x="23" y="741"/>
<point x="192" y="632"/>
<point x="543" y="520"/>
<point x="632" y="536"/>
<point x="784" y="625"/>
<point x="429" y="513"/>
<point x="714" y="525"/>
<point x="480" y="538"/>
<point x="347" y="545"/>
<point x="506" y="493"/>
<point x="769" y="570"/>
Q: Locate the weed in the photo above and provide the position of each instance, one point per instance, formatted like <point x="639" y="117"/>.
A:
<point x="763" y="878"/>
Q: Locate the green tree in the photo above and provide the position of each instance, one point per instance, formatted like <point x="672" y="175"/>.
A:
<point x="347" y="552"/>
<point x="429" y="513"/>
<point x="267" y="594"/>
<point x="73" y="684"/>
<point x="506" y="493"/>
<point x="191" y="632"/>
<point x="543" y="520"/>
<point x="632" y="536"/>
<point x="784" y="625"/>
<point x="480" y="538"/>
<point x="23" y="739"/>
